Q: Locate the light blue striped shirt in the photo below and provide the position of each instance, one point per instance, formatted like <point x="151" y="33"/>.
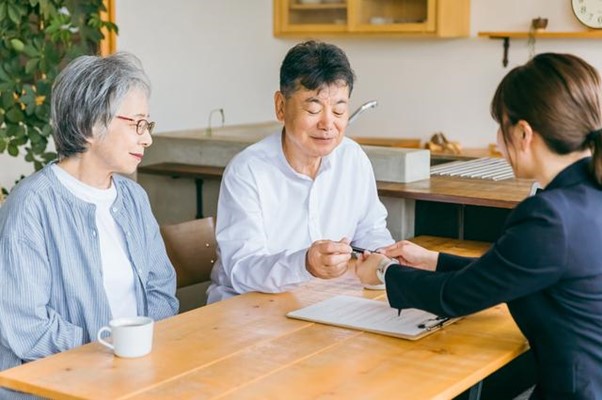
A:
<point x="51" y="287"/>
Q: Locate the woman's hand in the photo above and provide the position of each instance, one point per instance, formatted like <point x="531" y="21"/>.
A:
<point x="412" y="255"/>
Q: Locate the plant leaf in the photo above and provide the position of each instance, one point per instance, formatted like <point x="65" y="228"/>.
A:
<point x="14" y="115"/>
<point x="13" y="150"/>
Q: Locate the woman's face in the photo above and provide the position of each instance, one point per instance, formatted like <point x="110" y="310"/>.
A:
<point x="501" y="144"/>
<point x="121" y="149"/>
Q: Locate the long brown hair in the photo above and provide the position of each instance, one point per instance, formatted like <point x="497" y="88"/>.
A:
<point x="559" y="96"/>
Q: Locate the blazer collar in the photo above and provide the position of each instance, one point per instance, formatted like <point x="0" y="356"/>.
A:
<point x="575" y="173"/>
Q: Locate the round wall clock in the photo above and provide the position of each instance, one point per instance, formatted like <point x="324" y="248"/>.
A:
<point x="588" y="12"/>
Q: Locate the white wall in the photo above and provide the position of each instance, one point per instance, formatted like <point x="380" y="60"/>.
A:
<point x="203" y="55"/>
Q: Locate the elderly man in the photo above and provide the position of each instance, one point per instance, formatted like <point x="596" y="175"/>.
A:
<point x="291" y="204"/>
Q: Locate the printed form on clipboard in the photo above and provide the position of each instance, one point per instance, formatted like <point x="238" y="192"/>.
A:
<point x="372" y="316"/>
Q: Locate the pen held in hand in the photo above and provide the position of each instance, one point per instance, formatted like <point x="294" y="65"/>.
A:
<point x="355" y="251"/>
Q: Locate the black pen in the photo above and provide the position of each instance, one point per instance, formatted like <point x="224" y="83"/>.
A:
<point x="356" y="249"/>
<point x="398" y="312"/>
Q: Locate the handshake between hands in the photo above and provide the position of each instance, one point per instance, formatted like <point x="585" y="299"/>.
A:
<point x="328" y="259"/>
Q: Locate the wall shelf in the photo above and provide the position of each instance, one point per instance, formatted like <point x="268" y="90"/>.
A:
<point x="506" y="36"/>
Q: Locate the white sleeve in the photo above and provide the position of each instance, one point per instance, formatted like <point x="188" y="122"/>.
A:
<point x="242" y="241"/>
<point x="371" y="232"/>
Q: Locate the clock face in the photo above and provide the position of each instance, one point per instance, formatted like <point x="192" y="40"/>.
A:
<point x="588" y="12"/>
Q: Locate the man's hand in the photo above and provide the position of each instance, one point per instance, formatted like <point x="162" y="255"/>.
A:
<point x="327" y="259"/>
<point x="366" y="268"/>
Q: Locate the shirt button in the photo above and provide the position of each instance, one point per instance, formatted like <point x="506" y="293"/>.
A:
<point x="94" y="233"/>
<point x="140" y="271"/>
<point x="114" y="209"/>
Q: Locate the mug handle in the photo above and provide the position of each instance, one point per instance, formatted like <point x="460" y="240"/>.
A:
<point x="101" y="340"/>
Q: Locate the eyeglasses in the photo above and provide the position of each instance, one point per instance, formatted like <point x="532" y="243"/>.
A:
<point x="141" y="125"/>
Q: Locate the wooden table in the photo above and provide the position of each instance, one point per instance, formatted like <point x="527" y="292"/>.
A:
<point x="245" y="348"/>
<point x="465" y="191"/>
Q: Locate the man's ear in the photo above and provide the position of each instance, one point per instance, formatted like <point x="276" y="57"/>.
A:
<point x="279" y="105"/>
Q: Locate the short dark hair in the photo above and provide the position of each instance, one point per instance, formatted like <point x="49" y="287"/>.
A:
<point x="312" y="65"/>
<point x="559" y="96"/>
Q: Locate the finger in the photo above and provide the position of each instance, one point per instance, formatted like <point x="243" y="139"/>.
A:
<point x="334" y="247"/>
<point x="338" y="270"/>
<point x="336" y="259"/>
<point x="391" y="247"/>
<point x="344" y="240"/>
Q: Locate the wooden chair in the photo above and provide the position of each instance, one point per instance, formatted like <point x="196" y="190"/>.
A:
<point x="191" y="247"/>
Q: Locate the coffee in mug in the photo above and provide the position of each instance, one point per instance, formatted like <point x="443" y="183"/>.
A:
<point x="131" y="337"/>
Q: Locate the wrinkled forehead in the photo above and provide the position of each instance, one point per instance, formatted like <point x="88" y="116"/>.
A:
<point x="338" y="90"/>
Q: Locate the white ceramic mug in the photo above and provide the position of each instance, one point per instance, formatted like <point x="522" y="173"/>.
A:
<point x="131" y="337"/>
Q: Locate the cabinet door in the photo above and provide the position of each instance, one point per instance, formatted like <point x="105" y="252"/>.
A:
<point x="310" y="16"/>
<point x="395" y="16"/>
<point x="436" y="18"/>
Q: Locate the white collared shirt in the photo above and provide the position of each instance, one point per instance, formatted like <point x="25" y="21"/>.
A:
<point x="269" y="215"/>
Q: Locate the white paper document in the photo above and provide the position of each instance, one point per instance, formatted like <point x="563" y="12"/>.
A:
<point x="372" y="316"/>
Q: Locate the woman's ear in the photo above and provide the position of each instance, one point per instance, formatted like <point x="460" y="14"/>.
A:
<point x="525" y="134"/>
<point x="279" y="105"/>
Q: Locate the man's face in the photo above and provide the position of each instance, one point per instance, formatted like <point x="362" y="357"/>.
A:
<point x="314" y="120"/>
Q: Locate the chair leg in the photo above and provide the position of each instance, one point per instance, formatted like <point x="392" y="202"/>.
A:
<point x="199" y="197"/>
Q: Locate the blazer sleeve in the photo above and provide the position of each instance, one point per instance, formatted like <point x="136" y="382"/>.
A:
<point x="529" y="256"/>
<point x="451" y="262"/>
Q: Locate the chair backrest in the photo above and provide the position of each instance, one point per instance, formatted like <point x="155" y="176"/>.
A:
<point x="191" y="247"/>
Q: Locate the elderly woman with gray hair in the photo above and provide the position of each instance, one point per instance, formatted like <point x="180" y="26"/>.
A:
<point x="79" y="245"/>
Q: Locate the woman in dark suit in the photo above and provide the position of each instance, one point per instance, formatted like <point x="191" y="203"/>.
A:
<point x="547" y="263"/>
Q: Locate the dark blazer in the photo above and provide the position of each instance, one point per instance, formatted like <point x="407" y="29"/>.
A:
<point x="547" y="265"/>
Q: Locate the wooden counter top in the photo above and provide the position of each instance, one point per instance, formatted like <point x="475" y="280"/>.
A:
<point x="477" y="192"/>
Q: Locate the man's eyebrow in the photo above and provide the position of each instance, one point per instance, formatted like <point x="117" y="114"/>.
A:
<point x="312" y="100"/>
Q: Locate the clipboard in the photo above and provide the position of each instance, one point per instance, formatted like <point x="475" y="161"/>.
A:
<point x="372" y="316"/>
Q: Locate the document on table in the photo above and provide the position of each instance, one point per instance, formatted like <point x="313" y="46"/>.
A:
<point x="372" y="316"/>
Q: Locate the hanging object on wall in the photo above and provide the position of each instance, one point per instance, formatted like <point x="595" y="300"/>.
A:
<point x="537" y="25"/>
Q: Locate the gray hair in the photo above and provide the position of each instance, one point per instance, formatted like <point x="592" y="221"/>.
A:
<point x="87" y="94"/>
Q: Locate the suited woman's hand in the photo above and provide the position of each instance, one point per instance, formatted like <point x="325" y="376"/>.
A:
<point x="412" y="255"/>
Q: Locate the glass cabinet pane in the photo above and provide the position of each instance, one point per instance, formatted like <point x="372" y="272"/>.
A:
<point x="331" y="13"/>
<point x="411" y="14"/>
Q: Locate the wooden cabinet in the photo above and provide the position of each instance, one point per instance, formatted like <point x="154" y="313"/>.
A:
<point x="437" y="18"/>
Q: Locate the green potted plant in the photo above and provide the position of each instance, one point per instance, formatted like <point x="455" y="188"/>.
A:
<point x="38" y="38"/>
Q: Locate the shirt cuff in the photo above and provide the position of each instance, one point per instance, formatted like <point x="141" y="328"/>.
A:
<point x="298" y="260"/>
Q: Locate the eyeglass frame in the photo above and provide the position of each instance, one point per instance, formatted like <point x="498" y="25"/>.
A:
<point x="150" y="125"/>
